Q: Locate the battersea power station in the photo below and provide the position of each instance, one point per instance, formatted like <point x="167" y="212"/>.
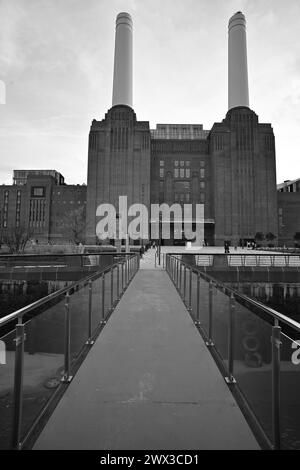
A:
<point x="230" y="169"/>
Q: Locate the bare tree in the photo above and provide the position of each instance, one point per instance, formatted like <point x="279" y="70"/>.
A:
<point x="16" y="238"/>
<point x="74" y="225"/>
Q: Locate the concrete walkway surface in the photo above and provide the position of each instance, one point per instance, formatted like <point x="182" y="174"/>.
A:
<point x="149" y="383"/>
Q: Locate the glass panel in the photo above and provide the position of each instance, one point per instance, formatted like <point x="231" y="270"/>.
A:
<point x="79" y="314"/>
<point x="194" y="295"/>
<point x="290" y="392"/>
<point x="181" y="279"/>
<point x="115" y="283"/>
<point x="43" y="360"/>
<point x="204" y="301"/>
<point x="107" y="298"/>
<point x="96" y="303"/>
<point x="253" y="363"/>
<point x="220" y="322"/>
<point x="7" y="366"/>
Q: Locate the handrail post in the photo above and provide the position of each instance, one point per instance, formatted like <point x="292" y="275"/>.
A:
<point x="174" y="271"/>
<point x="67" y="372"/>
<point x="210" y="315"/>
<point x="197" y="322"/>
<point x="118" y="281"/>
<point x="122" y="276"/>
<point x="90" y="342"/>
<point x="276" y="346"/>
<point x="190" y="290"/>
<point x="103" y="321"/>
<point x="231" y="338"/>
<point x="111" y="288"/>
<point x="126" y="272"/>
<point x="180" y="280"/>
<point x="18" y="384"/>
<point x="184" y="283"/>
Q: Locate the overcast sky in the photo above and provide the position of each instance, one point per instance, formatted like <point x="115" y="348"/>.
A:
<point x="56" y="60"/>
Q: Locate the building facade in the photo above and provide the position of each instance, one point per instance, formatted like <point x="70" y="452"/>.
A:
<point x="230" y="169"/>
<point x="39" y="205"/>
<point x="289" y="212"/>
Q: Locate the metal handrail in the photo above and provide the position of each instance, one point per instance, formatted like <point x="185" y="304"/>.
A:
<point x="192" y="253"/>
<point x="75" y="285"/>
<point x="244" y="298"/>
<point x="174" y="265"/>
<point x="128" y="265"/>
<point x="62" y="255"/>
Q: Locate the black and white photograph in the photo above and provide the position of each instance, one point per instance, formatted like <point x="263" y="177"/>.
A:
<point x="149" y="228"/>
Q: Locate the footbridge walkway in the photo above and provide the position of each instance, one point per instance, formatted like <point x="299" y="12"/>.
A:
<point x="149" y="354"/>
<point x="149" y="382"/>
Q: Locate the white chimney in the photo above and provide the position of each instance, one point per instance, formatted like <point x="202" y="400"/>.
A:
<point x="122" y="87"/>
<point x="238" y="91"/>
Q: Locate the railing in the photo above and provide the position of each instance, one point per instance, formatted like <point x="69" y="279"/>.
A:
<point x="247" y="259"/>
<point x="58" y="260"/>
<point x="280" y="249"/>
<point x="43" y="350"/>
<point x="256" y="347"/>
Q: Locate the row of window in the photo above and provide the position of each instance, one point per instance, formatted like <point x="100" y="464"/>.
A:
<point x="181" y="173"/>
<point x="18" y="209"/>
<point x="185" y="198"/>
<point x="5" y="208"/>
<point x="182" y="163"/>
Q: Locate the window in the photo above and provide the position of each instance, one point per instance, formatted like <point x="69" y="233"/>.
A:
<point x="202" y="197"/>
<point x="202" y="163"/>
<point x="176" y="163"/>
<point x="161" y="172"/>
<point x="38" y="191"/>
<point x="162" y="163"/>
<point x="182" y="163"/>
<point x="202" y="173"/>
<point x="176" y="173"/>
<point x="187" y="163"/>
<point x="181" y="173"/>
<point x="202" y="184"/>
<point x="188" y="173"/>
<point x="182" y="186"/>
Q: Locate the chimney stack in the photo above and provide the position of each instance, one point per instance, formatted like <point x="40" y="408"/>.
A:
<point x="122" y="87"/>
<point x="238" y="92"/>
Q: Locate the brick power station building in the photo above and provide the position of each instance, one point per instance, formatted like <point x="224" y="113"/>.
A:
<point x="230" y="168"/>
